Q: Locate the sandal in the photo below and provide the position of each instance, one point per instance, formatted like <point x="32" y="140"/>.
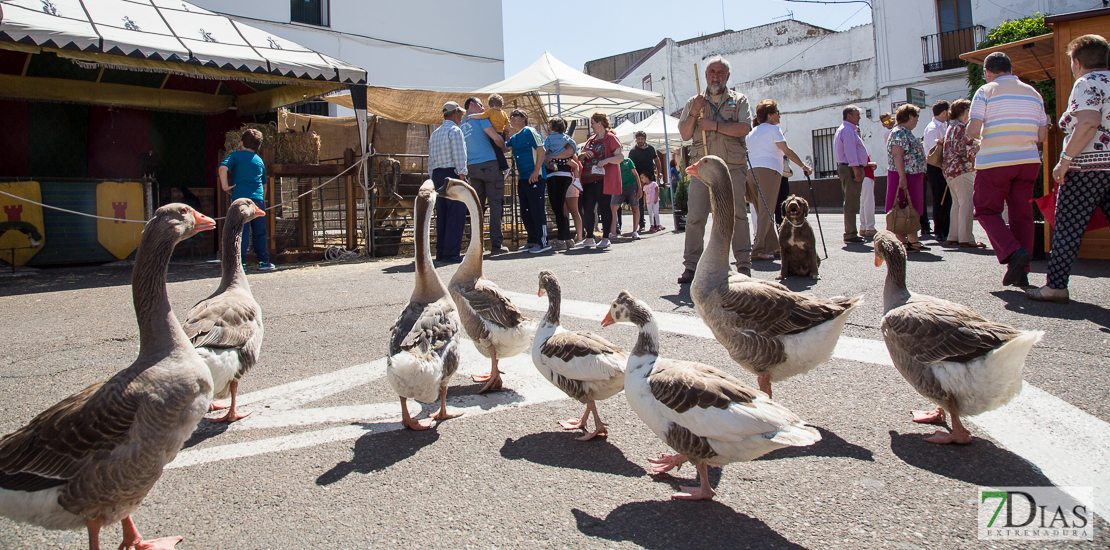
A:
<point x="915" y="247"/>
<point x="763" y="256"/>
<point x="972" y="245"/>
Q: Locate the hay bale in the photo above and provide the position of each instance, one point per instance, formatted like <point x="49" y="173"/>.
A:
<point x="297" y="148"/>
<point x="234" y="138"/>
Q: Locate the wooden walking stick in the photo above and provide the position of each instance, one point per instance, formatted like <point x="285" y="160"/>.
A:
<point x="697" y="79"/>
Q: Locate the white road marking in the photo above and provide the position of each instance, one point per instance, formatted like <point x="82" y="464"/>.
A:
<point x="1029" y="426"/>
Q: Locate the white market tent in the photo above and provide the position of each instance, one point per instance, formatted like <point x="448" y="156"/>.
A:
<point x="661" y="132"/>
<point x="569" y="93"/>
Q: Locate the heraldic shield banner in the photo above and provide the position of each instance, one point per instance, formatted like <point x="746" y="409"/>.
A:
<point x="121" y="200"/>
<point x="21" y="225"/>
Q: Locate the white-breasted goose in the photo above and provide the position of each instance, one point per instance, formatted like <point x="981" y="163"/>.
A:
<point x="703" y="413"/>
<point x="424" y="342"/>
<point x="226" y="327"/>
<point x="585" y="366"/>
<point x="950" y="354"/>
<point x="91" y="459"/>
<point x="768" y="329"/>
<point x="490" y="318"/>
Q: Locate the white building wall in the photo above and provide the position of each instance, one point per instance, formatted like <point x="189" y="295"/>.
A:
<point x="448" y="48"/>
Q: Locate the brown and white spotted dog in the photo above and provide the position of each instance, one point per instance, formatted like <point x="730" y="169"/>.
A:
<point x="796" y="240"/>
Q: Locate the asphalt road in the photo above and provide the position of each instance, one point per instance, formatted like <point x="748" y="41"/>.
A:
<point x="322" y="463"/>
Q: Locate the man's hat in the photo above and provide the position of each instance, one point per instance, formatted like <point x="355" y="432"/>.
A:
<point x="451" y="107"/>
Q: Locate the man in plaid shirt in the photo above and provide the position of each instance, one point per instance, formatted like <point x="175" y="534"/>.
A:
<point x="447" y="159"/>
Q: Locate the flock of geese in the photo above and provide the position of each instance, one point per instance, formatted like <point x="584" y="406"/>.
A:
<point x="91" y="459"/>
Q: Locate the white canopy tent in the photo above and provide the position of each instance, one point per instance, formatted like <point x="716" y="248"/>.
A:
<point x="570" y="93"/>
<point x="655" y="127"/>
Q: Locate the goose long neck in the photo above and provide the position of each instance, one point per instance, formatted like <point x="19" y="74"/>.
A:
<point x="429" y="287"/>
<point x="159" y="330"/>
<point x="647" y="342"/>
<point x="895" y="292"/>
<point x="554" y="302"/>
<point x="231" y="256"/>
<point x="715" y="258"/>
<point x="471" y="266"/>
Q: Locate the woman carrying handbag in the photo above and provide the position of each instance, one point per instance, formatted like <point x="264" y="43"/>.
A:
<point x="905" y="174"/>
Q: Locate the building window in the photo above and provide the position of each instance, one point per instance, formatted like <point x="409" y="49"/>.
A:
<point x="953" y="15"/>
<point x="312" y="12"/>
<point x="646" y="83"/>
<point x="824" y="161"/>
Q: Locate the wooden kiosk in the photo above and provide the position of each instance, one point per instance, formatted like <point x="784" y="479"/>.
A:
<point x="1043" y="58"/>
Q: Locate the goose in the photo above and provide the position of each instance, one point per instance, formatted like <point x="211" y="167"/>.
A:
<point x="703" y="413"/>
<point x="492" y="321"/>
<point x="950" y="354"/>
<point x="91" y="459"/>
<point x="769" y="330"/>
<point x="226" y="327"/>
<point x="584" y="365"/>
<point x="424" y="342"/>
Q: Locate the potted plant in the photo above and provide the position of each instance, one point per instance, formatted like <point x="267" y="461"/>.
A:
<point x="681" y="202"/>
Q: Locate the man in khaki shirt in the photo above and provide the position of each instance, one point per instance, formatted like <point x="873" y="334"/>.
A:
<point x="723" y="128"/>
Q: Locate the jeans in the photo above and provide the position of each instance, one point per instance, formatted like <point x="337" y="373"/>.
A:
<point x="488" y="181"/>
<point x="532" y="211"/>
<point x="255" y="230"/>
<point x="450" y="217"/>
<point x="557" y="194"/>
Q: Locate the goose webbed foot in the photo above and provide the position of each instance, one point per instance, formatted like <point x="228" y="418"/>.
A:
<point x="666" y="463"/>
<point x="929" y="417"/>
<point x="485" y="377"/>
<point x="407" y="420"/>
<point x="132" y="539"/>
<point x="218" y="405"/>
<point x="493" y="384"/>
<point x="944" y="438"/>
<point x="601" y="431"/>
<point x="702" y="492"/>
<point x="232" y="413"/>
<point x="442" y="414"/>
<point x="577" y="424"/>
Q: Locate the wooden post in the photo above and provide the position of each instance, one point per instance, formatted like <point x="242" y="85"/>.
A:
<point x="351" y="214"/>
<point x="697" y="79"/>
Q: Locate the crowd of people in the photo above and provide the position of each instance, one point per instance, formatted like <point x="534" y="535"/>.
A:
<point x="979" y="157"/>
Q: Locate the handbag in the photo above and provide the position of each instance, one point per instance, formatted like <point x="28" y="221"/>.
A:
<point x="1047" y="204"/>
<point x="936" y="154"/>
<point x="903" y="219"/>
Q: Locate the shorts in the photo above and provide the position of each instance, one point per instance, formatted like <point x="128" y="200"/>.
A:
<point x="628" y="195"/>
<point x="572" y="192"/>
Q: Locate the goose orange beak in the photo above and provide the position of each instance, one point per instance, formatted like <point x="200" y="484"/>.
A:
<point x="258" y="212"/>
<point x="693" y="169"/>
<point x="541" y="292"/>
<point x="878" y="261"/>
<point x="202" y="222"/>
<point x="608" y="320"/>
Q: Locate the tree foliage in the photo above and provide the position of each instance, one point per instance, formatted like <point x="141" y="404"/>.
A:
<point x="1011" y="31"/>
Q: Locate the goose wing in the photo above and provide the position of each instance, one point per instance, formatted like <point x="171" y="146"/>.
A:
<point x="55" y="444"/>
<point x="583" y="356"/>
<point x="933" y="330"/>
<point x="772" y="310"/>
<point x="227" y="321"/>
<point x="424" y="327"/>
<point x="490" y="303"/>
<point x="711" y="403"/>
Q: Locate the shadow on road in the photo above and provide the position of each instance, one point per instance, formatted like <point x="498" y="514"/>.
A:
<point x="831" y="446"/>
<point x="559" y="449"/>
<point x="798" y="283"/>
<point x="682" y="299"/>
<point x="59" y="279"/>
<point x="409" y="267"/>
<point x="980" y="462"/>
<point x="1016" y="300"/>
<point x="378" y="451"/>
<point x="468" y="396"/>
<point x="673" y="524"/>
<point x="206" y="430"/>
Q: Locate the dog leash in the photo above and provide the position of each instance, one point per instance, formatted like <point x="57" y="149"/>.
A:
<point x="817" y="215"/>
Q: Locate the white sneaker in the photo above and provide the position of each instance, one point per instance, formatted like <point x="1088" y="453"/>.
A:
<point x="577" y="184"/>
<point x="603" y="244"/>
<point x="635" y="236"/>
<point x="587" y="243"/>
<point x="541" y="248"/>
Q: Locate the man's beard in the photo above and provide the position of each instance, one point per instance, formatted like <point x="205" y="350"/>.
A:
<point x="715" y="89"/>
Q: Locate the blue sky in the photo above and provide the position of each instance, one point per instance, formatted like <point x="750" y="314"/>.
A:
<point x="579" y="31"/>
